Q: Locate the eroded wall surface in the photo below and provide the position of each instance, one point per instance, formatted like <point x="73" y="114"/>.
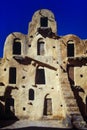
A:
<point x="43" y="75"/>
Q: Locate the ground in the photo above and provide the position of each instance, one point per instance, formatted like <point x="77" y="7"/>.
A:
<point x="35" y="125"/>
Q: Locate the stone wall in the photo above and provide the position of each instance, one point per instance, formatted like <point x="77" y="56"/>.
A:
<point x="40" y="72"/>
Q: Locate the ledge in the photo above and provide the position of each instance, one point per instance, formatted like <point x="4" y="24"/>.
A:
<point x="78" y="61"/>
<point x="27" y="60"/>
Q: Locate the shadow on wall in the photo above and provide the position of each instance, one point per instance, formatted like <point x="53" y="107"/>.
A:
<point x="4" y="123"/>
<point x="76" y="90"/>
<point x="82" y="106"/>
<point x="7" y="111"/>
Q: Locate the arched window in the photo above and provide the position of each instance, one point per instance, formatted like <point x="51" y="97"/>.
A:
<point x="40" y="47"/>
<point x="70" y="49"/>
<point x="17" y="47"/>
<point x="31" y="94"/>
<point x="47" y="106"/>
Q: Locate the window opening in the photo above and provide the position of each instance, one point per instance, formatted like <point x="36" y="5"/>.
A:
<point x="44" y="21"/>
<point x="12" y="75"/>
<point x="48" y="106"/>
<point x="40" y="76"/>
<point x="40" y="48"/>
<point x="24" y="108"/>
<point x="70" y="50"/>
<point x="17" y="47"/>
<point x="31" y="94"/>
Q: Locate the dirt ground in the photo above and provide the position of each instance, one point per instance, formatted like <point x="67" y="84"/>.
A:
<point x="32" y="125"/>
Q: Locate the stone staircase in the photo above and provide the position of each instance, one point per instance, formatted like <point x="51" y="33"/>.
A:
<point x="71" y="104"/>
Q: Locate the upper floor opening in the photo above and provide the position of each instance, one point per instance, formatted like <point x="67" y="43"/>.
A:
<point x="16" y="46"/>
<point x="44" y="22"/>
<point x="70" y="49"/>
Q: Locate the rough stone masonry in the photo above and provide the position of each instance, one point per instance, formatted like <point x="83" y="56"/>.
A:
<point x="43" y="76"/>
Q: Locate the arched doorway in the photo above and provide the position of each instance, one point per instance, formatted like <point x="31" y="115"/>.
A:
<point x="47" y="105"/>
<point x="40" y="47"/>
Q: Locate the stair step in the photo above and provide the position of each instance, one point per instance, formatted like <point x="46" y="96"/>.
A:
<point x="72" y="109"/>
<point x="74" y="113"/>
<point x="68" y="94"/>
<point x="65" y="85"/>
<point x="71" y="103"/>
<point x="76" y="117"/>
<point x="64" y="75"/>
<point x="65" y="78"/>
<point x="70" y="100"/>
<point x="69" y="97"/>
<point x="67" y="89"/>
<point x="65" y="81"/>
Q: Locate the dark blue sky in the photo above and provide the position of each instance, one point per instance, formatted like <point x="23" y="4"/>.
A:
<point x="71" y="16"/>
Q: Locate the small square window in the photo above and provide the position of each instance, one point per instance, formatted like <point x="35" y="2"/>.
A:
<point x="44" y="21"/>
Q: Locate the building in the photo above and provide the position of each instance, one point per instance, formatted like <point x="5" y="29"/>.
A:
<point x="43" y="75"/>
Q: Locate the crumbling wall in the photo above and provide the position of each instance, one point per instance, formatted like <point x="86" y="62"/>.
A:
<point x="25" y="93"/>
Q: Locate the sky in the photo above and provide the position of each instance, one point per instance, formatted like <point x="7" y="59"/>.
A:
<point x="71" y="16"/>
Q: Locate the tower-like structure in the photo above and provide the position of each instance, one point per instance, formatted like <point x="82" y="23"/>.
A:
<point x="43" y="75"/>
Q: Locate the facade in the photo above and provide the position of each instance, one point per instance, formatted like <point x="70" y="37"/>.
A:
<point x="43" y="75"/>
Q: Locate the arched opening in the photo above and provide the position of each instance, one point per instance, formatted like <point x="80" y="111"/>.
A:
<point x="40" y="47"/>
<point x="70" y="49"/>
<point x="44" y="21"/>
<point x="47" y="106"/>
<point x="16" y="47"/>
<point x="70" y="70"/>
<point x="31" y="94"/>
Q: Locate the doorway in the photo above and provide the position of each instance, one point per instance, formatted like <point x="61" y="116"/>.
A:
<point x="48" y="106"/>
<point x="70" y="50"/>
<point x="9" y="107"/>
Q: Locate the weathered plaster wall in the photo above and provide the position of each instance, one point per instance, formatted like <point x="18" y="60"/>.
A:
<point x="61" y="72"/>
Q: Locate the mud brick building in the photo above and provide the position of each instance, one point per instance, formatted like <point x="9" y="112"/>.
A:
<point x="43" y="76"/>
